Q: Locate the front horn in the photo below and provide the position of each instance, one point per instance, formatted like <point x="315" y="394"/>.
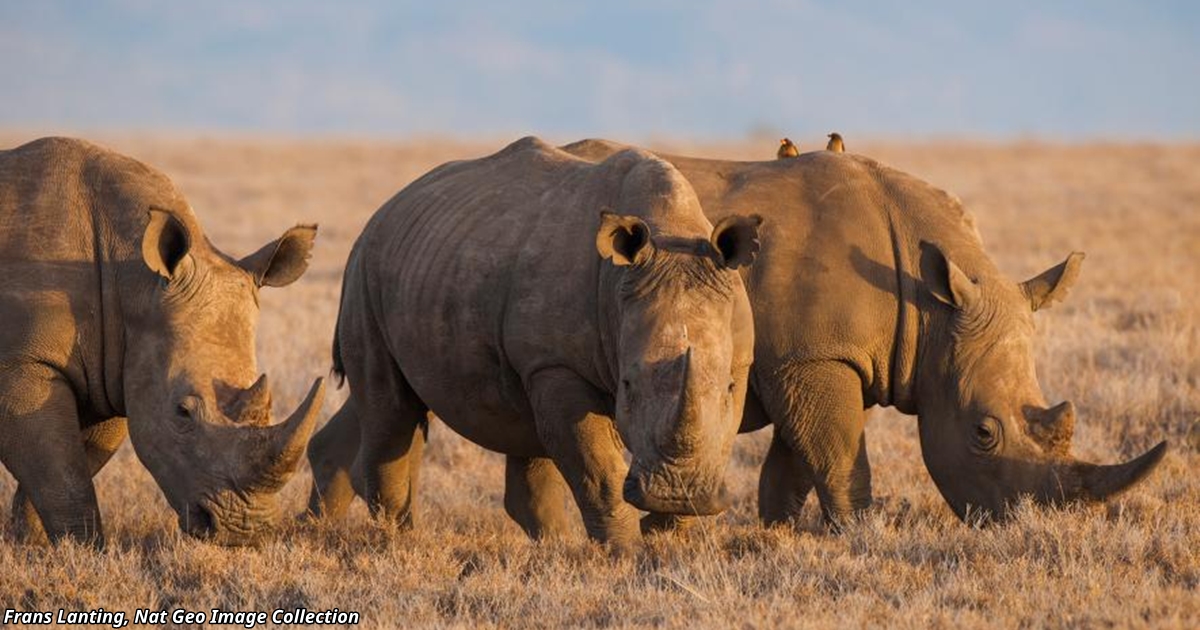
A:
<point x="1099" y="482"/>
<point x="287" y="440"/>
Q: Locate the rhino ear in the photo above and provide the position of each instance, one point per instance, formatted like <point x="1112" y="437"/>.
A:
<point x="165" y="243"/>
<point x="736" y="239"/>
<point x="282" y="261"/>
<point x="624" y="239"/>
<point x="949" y="284"/>
<point x="1052" y="285"/>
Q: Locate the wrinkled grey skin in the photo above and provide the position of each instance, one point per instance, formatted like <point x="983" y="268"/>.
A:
<point x="496" y="293"/>
<point x="121" y="319"/>
<point x="873" y="288"/>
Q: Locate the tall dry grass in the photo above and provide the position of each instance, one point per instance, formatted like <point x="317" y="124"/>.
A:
<point x="1125" y="347"/>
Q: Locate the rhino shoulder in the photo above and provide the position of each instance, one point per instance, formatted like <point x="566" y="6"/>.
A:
<point x="116" y="185"/>
<point x="593" y="149"/>
<point x="62" y="153"/>
<point x="934" y="204"/>
<point x="59" y="145"/>
<point x="530" y="150"/>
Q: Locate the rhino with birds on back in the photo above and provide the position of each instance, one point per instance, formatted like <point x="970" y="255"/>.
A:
<point x="121" y="319"/>
<point x="555" y="310"/>
<point x="872" y="288"/>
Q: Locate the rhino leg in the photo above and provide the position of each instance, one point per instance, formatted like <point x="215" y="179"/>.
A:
<point x="332" y="452"/>
<point x="783" y="484"/>
<point x="40" y="446"/>
<point x="818" y="414"/>
<point x="100" y="442"/>
<point x="575" y="427"/>
<point x="392" y="431"/>
<point x="535" y="496"/>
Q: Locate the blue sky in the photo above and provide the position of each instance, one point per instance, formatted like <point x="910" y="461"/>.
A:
<point x="698" y="69"/>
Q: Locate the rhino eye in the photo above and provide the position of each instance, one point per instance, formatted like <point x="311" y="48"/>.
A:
<point x="987" y="434"/>
<point x="189" y="413"/>
<point x="732" y="386"/>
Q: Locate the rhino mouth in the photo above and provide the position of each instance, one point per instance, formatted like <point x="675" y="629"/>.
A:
<point x="232" y="526"/>
<point x="642" y="491"/>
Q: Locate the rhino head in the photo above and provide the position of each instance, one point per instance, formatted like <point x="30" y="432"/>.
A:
<point x="686" y="342"/>
<point x="987" y="435"/>
<point x="199" y="415"/>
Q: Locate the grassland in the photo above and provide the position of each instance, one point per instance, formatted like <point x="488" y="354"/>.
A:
<point x="1125" y="347"/>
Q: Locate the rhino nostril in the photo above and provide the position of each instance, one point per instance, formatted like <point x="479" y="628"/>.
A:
<point x="200" y="521"/>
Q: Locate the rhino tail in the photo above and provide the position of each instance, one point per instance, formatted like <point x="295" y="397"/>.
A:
<point x="338" y="371"/>
<point x="338" y="366"/>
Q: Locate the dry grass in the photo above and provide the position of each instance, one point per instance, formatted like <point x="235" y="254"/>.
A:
<point x="1125" y="348"/>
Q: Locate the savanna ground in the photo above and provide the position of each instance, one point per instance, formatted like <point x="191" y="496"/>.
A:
<point x="1125" y="347"/>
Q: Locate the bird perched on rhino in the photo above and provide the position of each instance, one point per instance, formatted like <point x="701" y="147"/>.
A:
<point x="787" y="149"/>
<point x="835" y="143"/>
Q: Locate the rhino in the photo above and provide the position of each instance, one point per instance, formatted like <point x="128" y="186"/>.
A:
<point x="873" y="289"/>
<point x="120" y="318"/>
<point x="557" y="311"/>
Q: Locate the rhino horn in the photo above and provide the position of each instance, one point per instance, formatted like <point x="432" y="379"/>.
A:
<point x="287" y="440"/>
<point x="253" y="406"/>
<point x="682" y="405"/>
<point x="685" y="370"/>
<point x="1098" y="482"/>
<point x="1054" y="427"/>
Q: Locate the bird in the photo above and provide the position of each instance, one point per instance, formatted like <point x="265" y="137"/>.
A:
<point x="835" y="143"/>
<point x="787" y="149"/>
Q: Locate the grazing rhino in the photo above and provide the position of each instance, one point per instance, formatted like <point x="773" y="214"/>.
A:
<point x="873" y="288"/>
<point x="498" y="294"/>
<point x="119" y="317"/>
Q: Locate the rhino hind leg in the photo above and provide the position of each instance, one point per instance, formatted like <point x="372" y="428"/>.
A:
<point x="42" y="449"/>
<point x="332" y="453"/>
<point x="391" y="417"/>
<point x="535" y="496"/>
<point x="576" y="429"/>
<point x="392" y="431"/>
<point x="818" y="414"/>
<point x="100" y="442"/>
<point x="391" y="459"/>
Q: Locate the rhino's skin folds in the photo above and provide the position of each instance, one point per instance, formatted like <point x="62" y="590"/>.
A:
<point x="873" y="288"/>
<point x="119" y="318"/>
<point x="550" y="309"/>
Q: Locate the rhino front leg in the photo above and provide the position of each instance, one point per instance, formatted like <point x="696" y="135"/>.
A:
<point x="818" y="413"/>
<point x="41" y="446"/>
<point x="332" y="453"/>
<point x="575" y="427"/>
<point x="783" y="484"/>
<point x="535" y="495"/>
<point x="100" y="442"/>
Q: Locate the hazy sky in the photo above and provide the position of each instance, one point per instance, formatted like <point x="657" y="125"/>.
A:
<point x="617" y="68"/>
